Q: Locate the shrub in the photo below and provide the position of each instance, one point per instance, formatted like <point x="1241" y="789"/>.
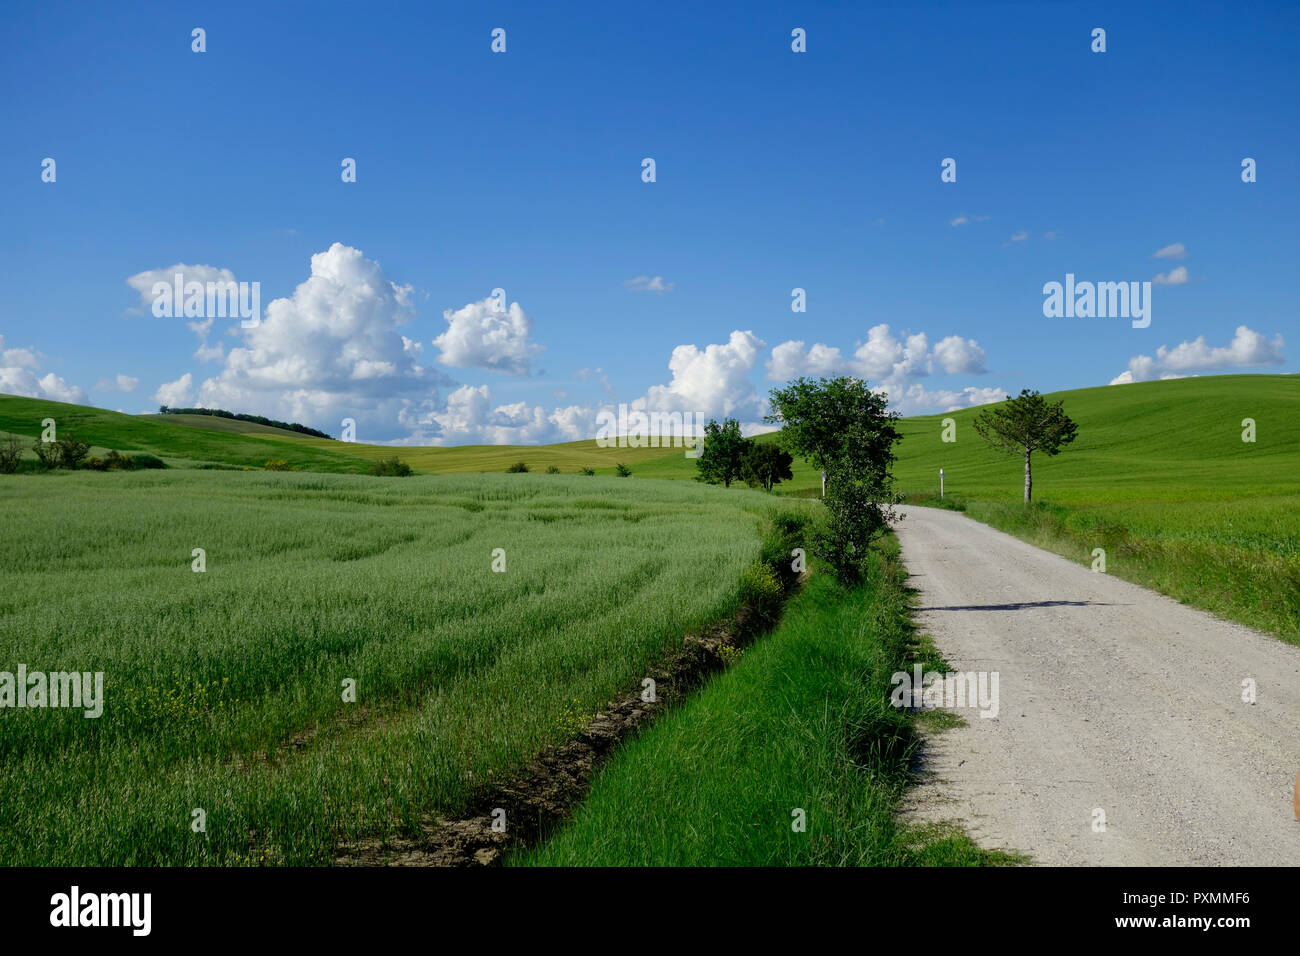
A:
<point x="71" y="451"/>
<point x="95" y="464"/>
<point x="47" y="452"/>
<point x="760" y="589"/>
<point x="857" y="512"/>
<point x="517" y="468"/>
<point x="119" y="462"/>
<point x="390" y="468"/>
<point x="783" y="531"/>
<point x="552" y="470"/>
<point x="586" y="471"/>
<point x="278" y="464"/>
<point x="149" y="461"/>
<point x="11" y="452"/>
<point x="623" y="470"/>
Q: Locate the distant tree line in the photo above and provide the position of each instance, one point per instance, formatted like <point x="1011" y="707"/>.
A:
<point x="255" y="419"/>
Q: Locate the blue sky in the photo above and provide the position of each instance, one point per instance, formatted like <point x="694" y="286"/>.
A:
<point x="522" y="171"/>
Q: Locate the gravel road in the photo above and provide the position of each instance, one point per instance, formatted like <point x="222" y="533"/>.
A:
<point x="1111" y="698"/>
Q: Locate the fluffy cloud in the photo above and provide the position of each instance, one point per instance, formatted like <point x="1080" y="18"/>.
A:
<point x="789" y="360"/>
<point x="882" y="357"/>
<point x="960" y="356"/>
<point x="1176" y="276"/>
<point x="713" y="381"/>
<point x="1019" y="236"/>
<point x="1248" y="349"/>
<point x="143" y="282"/>
<point x="1175" y="251"/>
<point x="483" y="337"/>
<point x="21" y="358"/>
<point x="649" y="284"/>
<point x="177" y="393"/>
<point x="332" y="350"/>
<point x="469" y="416"/>
<point x="892" y="364"/>
<point x="915" y="399"/>
<point x="18" y="377"/>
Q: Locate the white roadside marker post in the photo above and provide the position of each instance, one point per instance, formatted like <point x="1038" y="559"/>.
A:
<point x="823" y="484"/>
<point x="940" y="482"/>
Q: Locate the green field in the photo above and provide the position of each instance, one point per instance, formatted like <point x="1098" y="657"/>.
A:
<point x="224" y="688"/>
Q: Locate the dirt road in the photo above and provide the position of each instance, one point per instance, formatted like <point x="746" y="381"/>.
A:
<point x="1112" y="698"/>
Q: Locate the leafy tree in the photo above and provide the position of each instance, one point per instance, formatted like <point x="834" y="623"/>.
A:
<point x="586" y="471"/>
<point x="622" y="470"/>
<point x="844" y="427"/>
<point x="723" y="457"/>
<point x="1026" y="424"/>
<point x="818" y="417"/>
<point x="765" y="465"/>
<point x="518" y="468"/>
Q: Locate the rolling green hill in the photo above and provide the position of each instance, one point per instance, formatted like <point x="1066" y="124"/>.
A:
<point x="232" y="425"/>
<point x="1158" y="478"/>
<point x="176" y="443"/>
<point x="1176" y="440"/>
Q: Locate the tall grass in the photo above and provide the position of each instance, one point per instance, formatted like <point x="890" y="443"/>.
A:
<point x="223" y="689"/>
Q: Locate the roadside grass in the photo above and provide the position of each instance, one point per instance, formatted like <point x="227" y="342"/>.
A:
<point x="801" y="722"/>
<point x="223" y="689"/>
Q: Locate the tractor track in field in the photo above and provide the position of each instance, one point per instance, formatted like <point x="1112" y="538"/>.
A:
<point x="1117" y="705"/>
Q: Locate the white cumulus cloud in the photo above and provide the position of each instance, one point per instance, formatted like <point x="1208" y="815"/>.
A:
<point x="332" y="350"/>
<point x="1248" y="349"/>
<point x="143" y="282"/>
<point x="712" y="381"/>
<point x="18" y="377"/>
<point x="481" y="336"/>
<point x="178" y="393"/>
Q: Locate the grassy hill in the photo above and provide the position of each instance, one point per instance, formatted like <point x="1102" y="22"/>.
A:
<point x="1158" y="478"/>
<point x="176" y="443"/>
<point x="231" y="425"/>
<point x="1177" y="440"/>
<point x="1152" y="441"/>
